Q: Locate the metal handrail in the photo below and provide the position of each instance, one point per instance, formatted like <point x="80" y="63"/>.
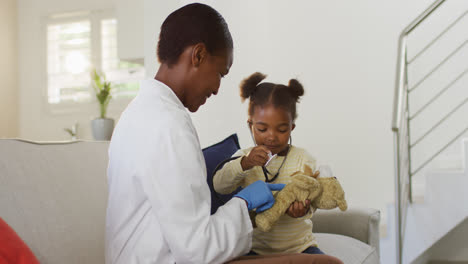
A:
<point x="398" y="98"/>
<point x="438" y="65"/>
<point x="439" y="94"/>
<point x="440" y="150"/>
<point x="399" y="107"/>
<point x="439" y="123"/>
<point x="401" y="64"/>
<point x="437" y="38"/>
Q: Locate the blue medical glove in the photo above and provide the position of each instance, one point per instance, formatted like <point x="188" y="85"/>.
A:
<point x="258" y="195"/>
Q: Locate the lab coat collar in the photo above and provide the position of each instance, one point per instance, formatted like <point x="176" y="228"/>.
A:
<point x="152" y="88"/>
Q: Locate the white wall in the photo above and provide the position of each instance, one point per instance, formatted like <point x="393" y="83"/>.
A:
<point x="344" y="52"/>
<point x="8" y="70"/>
<point x="37" y="121"/>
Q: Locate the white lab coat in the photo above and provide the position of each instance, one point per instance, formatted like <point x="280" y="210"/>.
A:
<point x="159" y="202"/>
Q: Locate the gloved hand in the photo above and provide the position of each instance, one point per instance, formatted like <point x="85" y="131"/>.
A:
<point x="258" y="195"/>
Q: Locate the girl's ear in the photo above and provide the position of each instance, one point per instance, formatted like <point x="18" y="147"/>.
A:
<point x="198" y="54"/>
<point x="293" y="126"/>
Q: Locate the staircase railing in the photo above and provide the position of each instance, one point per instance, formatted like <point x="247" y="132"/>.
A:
<point x="402" y="117"/>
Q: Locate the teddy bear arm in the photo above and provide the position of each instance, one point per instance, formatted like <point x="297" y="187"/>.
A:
<point x="265" y="220"/>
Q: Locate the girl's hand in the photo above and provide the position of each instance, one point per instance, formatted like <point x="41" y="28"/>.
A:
<point x="298" y="209"/>
<point x="257" y="157"/>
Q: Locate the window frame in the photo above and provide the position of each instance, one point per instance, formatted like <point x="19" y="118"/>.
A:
<point x="92" y="106"/>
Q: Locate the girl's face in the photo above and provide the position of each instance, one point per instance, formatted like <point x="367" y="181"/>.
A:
<point x="271" y="126"/>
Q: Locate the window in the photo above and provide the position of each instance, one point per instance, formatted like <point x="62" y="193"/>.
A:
<point x="79" y="42"/>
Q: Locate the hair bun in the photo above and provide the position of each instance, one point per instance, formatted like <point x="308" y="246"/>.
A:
<point x="295" y="88"/>
<point x="249" y="85"/>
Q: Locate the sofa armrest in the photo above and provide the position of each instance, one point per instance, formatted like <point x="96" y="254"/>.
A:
<point x="358" y="223"/>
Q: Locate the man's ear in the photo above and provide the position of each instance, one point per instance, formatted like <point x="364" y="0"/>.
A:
<point x="198" y="54"/>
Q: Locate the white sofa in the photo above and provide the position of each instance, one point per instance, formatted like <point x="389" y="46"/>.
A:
<point x="54" y="196"/>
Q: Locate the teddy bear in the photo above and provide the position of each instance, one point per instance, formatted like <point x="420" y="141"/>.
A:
<point x="324" y="193"/>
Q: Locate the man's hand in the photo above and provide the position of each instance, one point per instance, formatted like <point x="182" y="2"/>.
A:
<point x="298" y="209"/>
<point x="258" y="156"/>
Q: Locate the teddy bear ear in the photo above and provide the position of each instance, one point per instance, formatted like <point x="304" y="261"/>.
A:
<point x="308" y="170"/>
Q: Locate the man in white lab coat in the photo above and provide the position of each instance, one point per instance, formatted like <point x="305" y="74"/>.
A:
<point x="159" y="201"/>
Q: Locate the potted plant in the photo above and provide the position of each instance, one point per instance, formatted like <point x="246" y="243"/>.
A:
<point x="102" y="126"/>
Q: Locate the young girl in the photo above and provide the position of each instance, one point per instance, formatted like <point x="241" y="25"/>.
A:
<point x="272" y="112"/>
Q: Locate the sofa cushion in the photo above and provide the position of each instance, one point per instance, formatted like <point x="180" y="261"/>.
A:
<point x="214" y="155"/>
<point x="356" y="222"/>
<point x="54" y="196"/>
<point x="348" y="249"/>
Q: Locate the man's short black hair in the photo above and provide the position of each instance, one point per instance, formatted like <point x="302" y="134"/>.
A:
<point x="189" y="25"/>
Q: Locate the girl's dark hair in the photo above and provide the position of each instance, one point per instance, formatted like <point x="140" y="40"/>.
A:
<point x="189" y="25"/>
<point x="262" y="94"/>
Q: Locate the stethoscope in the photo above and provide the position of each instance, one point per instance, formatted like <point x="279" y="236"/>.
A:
<point x="264" y="169"/>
